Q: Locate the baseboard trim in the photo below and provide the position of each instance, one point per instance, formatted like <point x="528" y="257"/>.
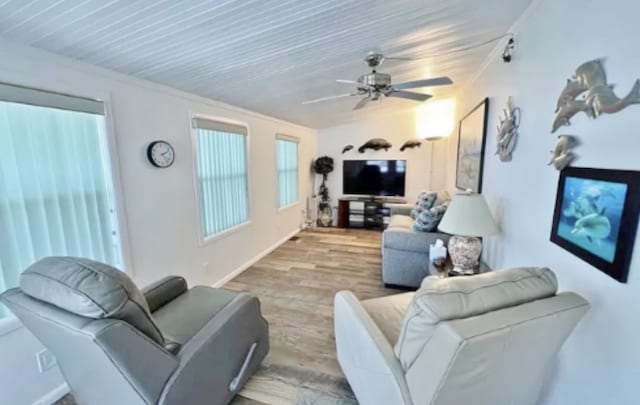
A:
<point x="52" y="396"/>
<point x="253" y="261"/>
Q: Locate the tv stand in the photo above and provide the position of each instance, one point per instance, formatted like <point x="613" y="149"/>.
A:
<point x="369" y="212"/>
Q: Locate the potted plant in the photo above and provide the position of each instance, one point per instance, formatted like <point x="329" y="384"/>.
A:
<point x="323" y="166"/>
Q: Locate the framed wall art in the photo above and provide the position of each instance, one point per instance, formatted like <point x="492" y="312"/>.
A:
<point x="472" y="132"/>
<point x="596" y="217"/>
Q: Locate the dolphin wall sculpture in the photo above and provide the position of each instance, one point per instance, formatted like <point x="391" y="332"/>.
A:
<point x="603" y="100"/>
<point x="590" y="77"/>
<point x="563" y="154"/>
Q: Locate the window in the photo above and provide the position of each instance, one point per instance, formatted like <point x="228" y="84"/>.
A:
<point x="287" y="158"/>
<point x="221" y="170"/>
<point x="56" y="192"/>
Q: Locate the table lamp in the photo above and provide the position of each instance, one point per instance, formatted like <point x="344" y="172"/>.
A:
<point x="468" y="218"/>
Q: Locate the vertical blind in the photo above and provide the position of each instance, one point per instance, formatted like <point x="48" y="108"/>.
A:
<point x="287" y="161"/>
<point x="221" y="154"/>
<point x="55" y="185"/>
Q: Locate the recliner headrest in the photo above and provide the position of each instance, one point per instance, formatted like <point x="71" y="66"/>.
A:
<point x="443" y="299"/>
<point x="90" y="289"/>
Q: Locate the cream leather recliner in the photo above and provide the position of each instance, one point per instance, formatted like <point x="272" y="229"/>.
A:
<point x="485" y="339"/>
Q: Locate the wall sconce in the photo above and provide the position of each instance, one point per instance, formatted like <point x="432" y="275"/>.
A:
<point x="507" y="54"/>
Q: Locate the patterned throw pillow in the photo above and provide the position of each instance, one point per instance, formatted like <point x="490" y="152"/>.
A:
<point x="414" y="210"/>
<point x="426" y="199"/>
<point x="428" y="220"/>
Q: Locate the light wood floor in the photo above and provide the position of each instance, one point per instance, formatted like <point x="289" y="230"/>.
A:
<point x="296" y="284"/>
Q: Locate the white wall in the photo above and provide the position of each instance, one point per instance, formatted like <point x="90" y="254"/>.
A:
<point x="159" y="205"/>
<point x="600" y="363"/>
<point x="395" y="128"/>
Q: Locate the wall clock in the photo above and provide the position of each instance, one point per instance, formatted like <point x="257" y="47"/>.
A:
<point x="160" y="154"/>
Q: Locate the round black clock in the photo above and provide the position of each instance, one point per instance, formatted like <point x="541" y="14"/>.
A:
<point x="160" y="154"/>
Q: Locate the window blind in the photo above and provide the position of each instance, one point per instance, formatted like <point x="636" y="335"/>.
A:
<point x="287" y="162"/>
<point x="221" y="154"/>
<point x="40" y="98"/>
<point x="56" y="193"/>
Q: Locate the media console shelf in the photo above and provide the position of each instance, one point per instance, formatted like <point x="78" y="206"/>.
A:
<point x="370" y="213"/>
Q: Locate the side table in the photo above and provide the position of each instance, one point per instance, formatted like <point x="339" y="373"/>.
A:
<point x="445" y="270"/>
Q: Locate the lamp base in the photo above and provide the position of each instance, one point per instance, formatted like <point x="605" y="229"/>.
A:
<point x="465" y="254"/>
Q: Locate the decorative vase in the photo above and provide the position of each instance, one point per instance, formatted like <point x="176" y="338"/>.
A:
<point x="465" y="254"/>
<point x="325" y="215"/>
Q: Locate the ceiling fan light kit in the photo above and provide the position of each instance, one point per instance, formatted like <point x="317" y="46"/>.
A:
<point x="374" y="85"/>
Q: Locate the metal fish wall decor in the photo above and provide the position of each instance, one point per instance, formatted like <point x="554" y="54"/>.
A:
<point x="508" y="131"/>
<point x="410" y="144"/>
<point x="375" y="144"/>
<point x="590" y="80"/>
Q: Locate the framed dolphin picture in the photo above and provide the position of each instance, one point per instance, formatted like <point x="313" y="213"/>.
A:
<point x="596" y="217"/>
<point x="472" y="132"/>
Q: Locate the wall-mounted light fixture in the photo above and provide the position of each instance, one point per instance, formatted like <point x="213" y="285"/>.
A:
<point x="507" y="54"/>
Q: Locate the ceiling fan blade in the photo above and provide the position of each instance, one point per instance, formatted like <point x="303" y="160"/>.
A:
<point x="409" y="95"/>
<point x="397" y="58"/>
<point x="321" y="99"/>
<point x="436" y="81"/>
<point x="361" y="103"/>
<point x="346" y="81"/>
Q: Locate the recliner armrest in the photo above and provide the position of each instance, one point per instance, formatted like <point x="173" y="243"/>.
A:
<point x="366" y="356"/>
<point x="164" y="290"/>
<point x="217" y="361"/>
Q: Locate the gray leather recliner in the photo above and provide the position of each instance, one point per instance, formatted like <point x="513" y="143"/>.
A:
<point x="117" y="345"/>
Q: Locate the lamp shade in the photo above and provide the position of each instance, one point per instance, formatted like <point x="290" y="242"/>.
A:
<point x="468" y="215"/>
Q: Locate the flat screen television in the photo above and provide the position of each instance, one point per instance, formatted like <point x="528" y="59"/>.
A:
<point x="374" y="177"/>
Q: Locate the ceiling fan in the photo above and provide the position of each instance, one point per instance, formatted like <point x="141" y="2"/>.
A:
<point x="374" y="85"/>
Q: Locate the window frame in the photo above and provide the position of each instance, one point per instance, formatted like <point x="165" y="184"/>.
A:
<point x="204" y="240"/>
<point x="290" y="138"/>
<point x="11" y="323"/>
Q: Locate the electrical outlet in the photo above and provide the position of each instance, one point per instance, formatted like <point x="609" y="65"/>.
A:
<point x="45" y="360"/>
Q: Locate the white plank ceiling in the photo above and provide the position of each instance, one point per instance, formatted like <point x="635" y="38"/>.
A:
<point x="268" y="55"/>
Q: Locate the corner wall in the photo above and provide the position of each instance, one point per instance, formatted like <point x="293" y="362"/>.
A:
<point x="425" y="165"/>
<point x="159" y="204"/>
<point x="600" y="362"/>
